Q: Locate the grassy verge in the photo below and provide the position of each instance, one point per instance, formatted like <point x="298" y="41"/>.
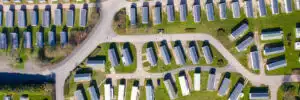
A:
<point x="288" y="91"/>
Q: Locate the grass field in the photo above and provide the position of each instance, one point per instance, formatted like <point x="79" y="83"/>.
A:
<point x="161" y="67"/>
<point x="102" y="52"/>
<point x="289" y="91"/>
<point x="287" y="22"/>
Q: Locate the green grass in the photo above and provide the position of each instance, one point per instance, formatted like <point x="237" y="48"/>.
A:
<point x="288" y="91"/>
<point x="160" y="92"/>
<point x="161" y="67"/>
<point x="34" y="92"/>
<point x="103" y="52"/>
<point x="287" y="22"/>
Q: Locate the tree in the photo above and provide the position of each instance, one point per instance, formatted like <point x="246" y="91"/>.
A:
<point x="221" y="32"/>
<point x="220" y="62"/>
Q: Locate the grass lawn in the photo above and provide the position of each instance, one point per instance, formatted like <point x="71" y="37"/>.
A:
<point x="161" y="67"/>
<point x="102" y="52"/>
<point x="287" y="22"/>
<point x="288" y="91"/>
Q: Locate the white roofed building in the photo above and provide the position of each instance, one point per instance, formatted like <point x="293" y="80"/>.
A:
<point x="197" y="81"/>
<point x="149" y="92"/>
<point x="297" y="32"/>
<point x="297" y="45"/>
<point x="121" y="92"/>
<point x="108" y="91"/>
<point x="134" y="93"/>
<point x="96" y="63"/>
<point x="184" y="85"/>
<point x="82" y="77"/>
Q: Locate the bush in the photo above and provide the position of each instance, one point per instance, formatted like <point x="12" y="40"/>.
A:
<point x="190" y="29"/>
<point x="40" y="88"/>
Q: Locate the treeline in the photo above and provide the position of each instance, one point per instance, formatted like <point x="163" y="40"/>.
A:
<point x="41" y="88"/>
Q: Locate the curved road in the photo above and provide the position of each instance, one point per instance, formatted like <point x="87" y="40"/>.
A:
<point x="103" y="32"/>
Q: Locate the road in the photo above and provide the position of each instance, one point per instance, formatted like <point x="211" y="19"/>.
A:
<point x="103" y="32"/>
